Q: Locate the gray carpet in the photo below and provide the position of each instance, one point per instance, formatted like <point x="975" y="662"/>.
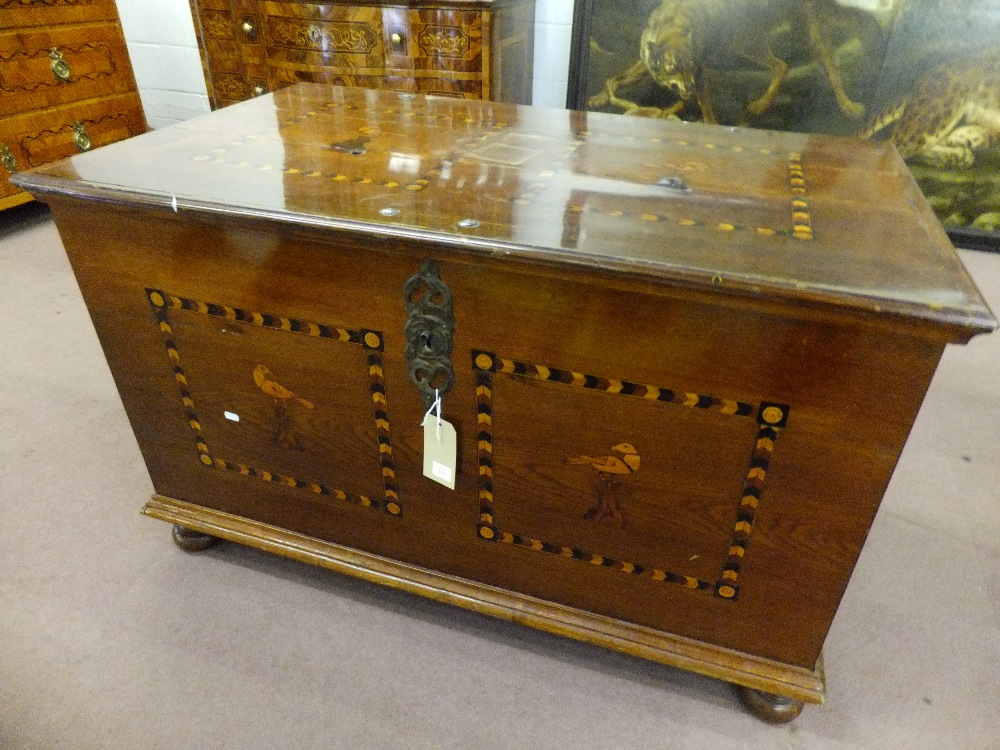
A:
<point x="112" y="637"/>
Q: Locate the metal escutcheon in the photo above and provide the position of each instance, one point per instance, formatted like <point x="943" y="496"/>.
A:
<point x="675" y="184"/>
<point x="429" y="330"/>
<point x="80" y="138"/>
<point x="60" y="68"/>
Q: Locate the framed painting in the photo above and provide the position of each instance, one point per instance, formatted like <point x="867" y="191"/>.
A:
<point x="924" y="74"/>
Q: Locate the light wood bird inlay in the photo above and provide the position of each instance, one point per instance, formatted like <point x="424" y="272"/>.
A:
<point x="274" y="389"/>
<point x="609" y="470"/>
<point x="627" y="464"/>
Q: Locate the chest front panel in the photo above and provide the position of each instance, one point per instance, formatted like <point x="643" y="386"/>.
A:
<point x="686" y="466"/>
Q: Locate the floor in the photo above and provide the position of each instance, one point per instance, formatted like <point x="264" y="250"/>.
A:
<point x="112" y="637"/>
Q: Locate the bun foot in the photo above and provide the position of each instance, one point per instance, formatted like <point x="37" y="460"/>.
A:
<point x="774" y="709"/>
<point x="192" y="541"/>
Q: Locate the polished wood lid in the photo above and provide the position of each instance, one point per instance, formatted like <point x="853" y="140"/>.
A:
<point x="804" y="218"/>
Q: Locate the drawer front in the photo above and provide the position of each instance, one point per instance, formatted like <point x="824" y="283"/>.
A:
<point x="443" y="41"/>
<point x="54" y="67"/>
<point x="322" y="36"/>
<point x="391" y="80"/>
<point x="26" y="13"/>
<point x="36" y="138"/>
<point x="230" y="44"/>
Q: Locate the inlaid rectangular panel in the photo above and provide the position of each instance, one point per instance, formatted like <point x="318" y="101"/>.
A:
<point x="648" y="480"/>
<point x="297" y="403"/>
<point x="323" y="37"/>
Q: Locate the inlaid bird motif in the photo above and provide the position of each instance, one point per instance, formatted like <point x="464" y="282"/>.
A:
<point x="609" y="470"/>
<point x="274" y="389"/>
<point x="627" y="464"/>
<point x="284" y="432"/>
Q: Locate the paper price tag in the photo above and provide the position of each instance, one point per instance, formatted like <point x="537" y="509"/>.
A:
<point x="440" y="451"/>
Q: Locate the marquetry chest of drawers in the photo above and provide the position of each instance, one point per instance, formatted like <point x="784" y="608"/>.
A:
<point x="682" y="360"/>
<point x="473" y="49"/>
<point x="66" y="84"/>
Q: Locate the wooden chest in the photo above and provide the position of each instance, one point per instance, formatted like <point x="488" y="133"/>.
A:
<point x="682" y="360"/>
<point x="473" y="49"/>
<point x="66" y="84"/>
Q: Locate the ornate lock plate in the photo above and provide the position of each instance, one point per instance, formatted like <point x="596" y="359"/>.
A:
<point x="428" y="331"/>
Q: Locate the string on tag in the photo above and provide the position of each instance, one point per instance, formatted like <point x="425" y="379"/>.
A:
<point x="435" y="405"/>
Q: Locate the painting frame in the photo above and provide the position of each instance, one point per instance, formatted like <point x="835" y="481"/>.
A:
<point x="585" y="70"/>
<point x="579" y="54"/>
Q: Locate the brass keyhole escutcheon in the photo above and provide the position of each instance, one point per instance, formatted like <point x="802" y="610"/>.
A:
<point x="60" y="68"/>
<point x="7" y="159"/>
<point x="80" y="138"/>
<point x="314" y="34"/>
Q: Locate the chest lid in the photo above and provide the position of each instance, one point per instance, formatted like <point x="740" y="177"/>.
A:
<point x="797" y="217"/>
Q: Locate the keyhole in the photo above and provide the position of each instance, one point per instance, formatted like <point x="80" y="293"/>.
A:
<point x="426" y="338"/>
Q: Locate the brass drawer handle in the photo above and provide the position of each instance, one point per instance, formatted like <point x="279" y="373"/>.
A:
<point x="249" y="27"/>
<point x="397" y="43"/>
<point x="80" y="137"/>
<point x="60" y="68"/>
<point x="7" y="159"/>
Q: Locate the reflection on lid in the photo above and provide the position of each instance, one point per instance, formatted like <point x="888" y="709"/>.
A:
<point x="796" y="214"/>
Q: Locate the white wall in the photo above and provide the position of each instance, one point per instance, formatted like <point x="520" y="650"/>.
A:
<point x="164" y="52"/>
<point x="553" y="24"/>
